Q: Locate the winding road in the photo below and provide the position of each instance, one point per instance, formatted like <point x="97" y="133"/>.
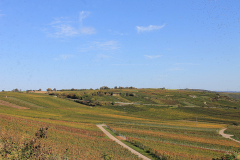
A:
<point x="121" y="143"/>
<point x="221" y="132"/>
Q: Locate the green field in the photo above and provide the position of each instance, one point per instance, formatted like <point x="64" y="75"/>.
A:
<point x="174" y="124"/>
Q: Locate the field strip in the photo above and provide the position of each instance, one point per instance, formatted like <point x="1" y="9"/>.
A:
<point x="121" y="143"/>
<point x="5" y="103"/>
<point x="25" y="102"/>
<point x="221" y="132"/>
<point x="159" y="105"/>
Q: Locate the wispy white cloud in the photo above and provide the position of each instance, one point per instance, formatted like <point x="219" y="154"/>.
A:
<point x="63" y="27"/>
<point x="63" y="30"/>
<point x="100" y="46"/>
<point x="149" y="28"/>
<point x="108" y="45"/>
<point x="83" y="15"/>
<point x="152" y="57"/>
<point x="60" y="20"/>
<point x="87" y="30"/>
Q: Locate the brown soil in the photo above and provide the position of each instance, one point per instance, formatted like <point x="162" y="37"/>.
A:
<point x="120" y="138"/>
<point x="4" y="103"/>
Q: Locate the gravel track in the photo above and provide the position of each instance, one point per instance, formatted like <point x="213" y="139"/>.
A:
<point x="121" y="143"/>
<point x="221" y="132"/>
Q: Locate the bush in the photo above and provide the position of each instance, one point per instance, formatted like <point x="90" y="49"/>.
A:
<point x="236" y="123"/>
<point x="113" y="102"/>
<point x="107" y="157"/>
<point x="41" y="133"/>
<point x="229" y="156"/>
<point x="11" y="148"/>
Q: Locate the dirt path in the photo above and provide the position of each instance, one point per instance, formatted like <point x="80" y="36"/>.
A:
<point x="121" y="143"/>
<point x="4" y="103"/>
<point x="221" y="132"/>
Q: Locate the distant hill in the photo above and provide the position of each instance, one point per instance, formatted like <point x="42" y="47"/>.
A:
<point x="229" y="91"/>
<point x="234" y="95"/>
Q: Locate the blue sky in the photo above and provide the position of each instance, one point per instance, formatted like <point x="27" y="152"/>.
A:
<point x="145" y="44"/>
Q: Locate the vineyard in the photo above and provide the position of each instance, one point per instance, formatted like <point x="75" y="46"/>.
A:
<point x="170" y="124"/>
<point x="176" y="142"/>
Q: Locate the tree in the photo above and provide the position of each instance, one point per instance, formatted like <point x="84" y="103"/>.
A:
<point x="113" y="102"/>
<point x="49" y="89"/>
<point x="16" y="90"/>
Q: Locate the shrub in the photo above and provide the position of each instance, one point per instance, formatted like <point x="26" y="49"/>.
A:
<point x="41" y="133"/>
<point x="229" y="156"/>
<point x="236" y="123"/>
<point x="12" y="148"/>
<point x="107" y="157"/>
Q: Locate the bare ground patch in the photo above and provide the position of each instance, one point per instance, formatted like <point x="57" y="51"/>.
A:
<point x="42" y="92"/>
<point x="4" y="103"/>
<point x="120" y="138"/>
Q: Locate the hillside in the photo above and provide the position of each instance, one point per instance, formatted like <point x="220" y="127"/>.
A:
<point x="232" y="95"/>
<point x="170" y="123"/>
